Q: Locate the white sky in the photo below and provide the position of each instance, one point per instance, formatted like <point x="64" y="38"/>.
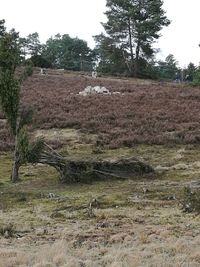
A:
<point x="82" y="18"/>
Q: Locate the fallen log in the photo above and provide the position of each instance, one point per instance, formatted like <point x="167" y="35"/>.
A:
<point x="87" y="170"/>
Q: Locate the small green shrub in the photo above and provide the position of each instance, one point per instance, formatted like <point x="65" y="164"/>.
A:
<point x="191" y="200"/>
<point x="196" y="79"/>
<point x="28" y="71"/>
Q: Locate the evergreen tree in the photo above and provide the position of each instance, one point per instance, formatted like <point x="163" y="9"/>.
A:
<point x="62" y="51"/>
<point x="111" y="58"/>
<point x="10" y="87"/>
<point x="190" y="72"/>
<point x="17" y="118"/>
<point x="33" y="45"/>
<point x="133" y="26"/>
<point x="2" y="27"/>
<point x="168" y="69"/>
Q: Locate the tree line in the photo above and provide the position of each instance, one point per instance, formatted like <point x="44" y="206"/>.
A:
<point x="126" y="48"/>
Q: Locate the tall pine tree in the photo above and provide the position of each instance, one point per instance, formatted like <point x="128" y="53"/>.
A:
<point x="133" y="26"/>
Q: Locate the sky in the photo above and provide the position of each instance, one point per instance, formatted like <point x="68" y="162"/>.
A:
<point x="82" y="19"/>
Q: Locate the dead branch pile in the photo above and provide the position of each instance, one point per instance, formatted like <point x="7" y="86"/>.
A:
<point x="87" y="170"/>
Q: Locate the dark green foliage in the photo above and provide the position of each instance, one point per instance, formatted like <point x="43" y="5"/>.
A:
<point x="191" y="200"/>
<point x="68" y="53"/>
<point x="196" y="77"/>
<point x="40" y="61"/>
<point x="28" y="71"/>
<point x="10" y="54"/>
<point x="9" y="84"/>
<point x="29" y="151"/>
<point x="23" y="146"/>
<point x="83" y="171"/>
<point x="111" y="58"/>
<point x="32" y="44"/>
<point x="10" y="51"/>
<point x="146" y="69"/>
<point x="132" y="27"/>
<point x="190" y="72"/>
<point x="167" y="69"/>
<point x="60" y="51"/>
<point x="2" y="27"/>
<point x="10" y="89"/>
<point x="9" y="98"/>
<point x="31" y="47"/>
<point x="35" y="150"/>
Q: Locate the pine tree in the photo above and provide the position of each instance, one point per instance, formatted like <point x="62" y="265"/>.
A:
<point x="62" y="51"/>
<point x="133" y="26"/>
<point x="2" y="27"/>
<point x="10" y="88"/>
<point x="17" y="116"/>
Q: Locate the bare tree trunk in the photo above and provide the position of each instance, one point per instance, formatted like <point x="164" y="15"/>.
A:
<point x="16" y="162"/>
<point x="137" y="54"/>
<point x="131" y="46"/>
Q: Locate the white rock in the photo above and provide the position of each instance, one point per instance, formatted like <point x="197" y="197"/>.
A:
<point x="89" y="90"/>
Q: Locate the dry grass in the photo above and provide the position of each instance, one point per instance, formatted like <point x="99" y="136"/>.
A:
<point x="111" y="242"/>
<point x="138" y="221"/>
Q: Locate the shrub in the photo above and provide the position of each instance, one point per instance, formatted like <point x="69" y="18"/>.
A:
<point x="191" y="200"/>
<point x="7" y="231"/>
<point x="196" y="79"/>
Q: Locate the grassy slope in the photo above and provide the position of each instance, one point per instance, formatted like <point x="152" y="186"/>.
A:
<point x="138" y="222"/>
<point x="130" y="227"/>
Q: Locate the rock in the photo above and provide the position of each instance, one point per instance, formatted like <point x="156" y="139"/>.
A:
<point x="89" y="90"/>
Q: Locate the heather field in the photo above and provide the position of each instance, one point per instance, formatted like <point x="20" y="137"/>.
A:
<point x="136" y="222"/>
<point x="144" y="112"/>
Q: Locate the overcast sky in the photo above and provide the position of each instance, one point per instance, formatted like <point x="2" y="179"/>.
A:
<point x="82" y="18"/>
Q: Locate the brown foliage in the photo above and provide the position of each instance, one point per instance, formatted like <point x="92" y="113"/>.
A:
<point x="144" y="112"/>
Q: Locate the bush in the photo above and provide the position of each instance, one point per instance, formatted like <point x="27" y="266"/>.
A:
<point x="191" y="200"/>
<point x="28" y="71"/>
<point x="196" y="80"/>
<point x="39" y="61"/>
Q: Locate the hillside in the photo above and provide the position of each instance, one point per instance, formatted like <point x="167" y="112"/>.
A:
<point x="135" y="221"/>
<point x="142" y="112"/>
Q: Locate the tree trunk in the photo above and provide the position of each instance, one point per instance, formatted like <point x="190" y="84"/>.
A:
<point x="15" y="171"/>
<point x="131" y="46"/>
<point x="137" y="54"/>
<point x="16" y="162"/>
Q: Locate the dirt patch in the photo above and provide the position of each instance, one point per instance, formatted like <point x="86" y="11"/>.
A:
<point x="63" y="135"/>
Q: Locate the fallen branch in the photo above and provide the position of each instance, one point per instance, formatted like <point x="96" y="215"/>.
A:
<point x="78" y="171"/>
